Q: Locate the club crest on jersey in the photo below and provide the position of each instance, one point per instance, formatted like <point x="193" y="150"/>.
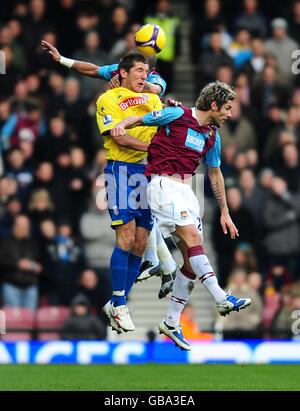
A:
<point x="156" y="114"/>
<point x="183" y="215"/>
<point x="107" y="119"/>
<point x="133" y="101"/>
<point x="195" y="140"/>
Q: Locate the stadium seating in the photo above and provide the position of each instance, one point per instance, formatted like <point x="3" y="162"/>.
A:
<point x="49" y="321"/>
<point x="19" y="323"/>
<point x="16" y="336"/>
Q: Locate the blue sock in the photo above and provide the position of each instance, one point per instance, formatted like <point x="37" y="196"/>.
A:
<point x="119" y="267"/>
<point x="134" y="263"/>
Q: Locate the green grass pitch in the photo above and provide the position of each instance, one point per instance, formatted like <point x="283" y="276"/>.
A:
<point x="150" y="377"/>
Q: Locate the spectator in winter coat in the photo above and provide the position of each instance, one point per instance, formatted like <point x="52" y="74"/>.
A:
<point x="82" y="325"/>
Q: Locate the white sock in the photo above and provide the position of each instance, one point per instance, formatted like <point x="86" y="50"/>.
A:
<point x="202" y="268"/>
<point x="150" y="253"/>
<point x="182" y="289"/>
<point x="168" y="265"/>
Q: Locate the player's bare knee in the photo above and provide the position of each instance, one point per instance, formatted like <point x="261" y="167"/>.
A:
<point x="139" y="247"/>
<point x="126" y="240"/>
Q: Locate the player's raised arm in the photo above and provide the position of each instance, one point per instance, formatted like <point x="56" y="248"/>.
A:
<point x="82" y="67"/>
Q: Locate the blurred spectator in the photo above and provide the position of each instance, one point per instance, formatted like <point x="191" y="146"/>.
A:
<point x="124" y="45"/>
<point x="13" y="208"/>
<point x="115" y="28"/>
<point x="40" y="207"/>
<point x="63" y="262"/>
<point x="211" y="59"/>
<point x="280" y="218"/>
<point x="202" y="24"/>
<point x="8" y="188"/>
<point x="98" y="238"/>
<point x="282" y="46"/>
<point x="294" y="21"/>
<point x="171" y="25"/>
<point x="55" y="142"/>
<point x="82" y="324"/>
<point x="281" y="326"/>
<point x="224" y="246"/>
<point x="255" y="281"/>
<point x="17" y="170"/>
<point x="96" y="287"/>
<point x="19" y="59"/>
<point x="35" y="24"/>
<point x="254" y="196"/>
<point x="268" y="91"/>
<point x="277" y="277"/>
<point x="252" y="19"/>
<point x="54" y="184"/>
<point x="246" y="323"/>
<point x="290" y="168"/>
<point x="79" y="186"/>
<point x="74" y="108"/>
<point x="276" y="139"/>
<point x="242" y="86"/>
<point x="20" y="267"/>
<point x="27" y="125"/>
<point x="254" y="67"/>
<point x="93" y="53"/>
<point x="244" y="258"/>
<point x="12" y="73"/>
<point x="240" y="49"/>
<point x="238" y="130"/>
<point x="68" y="32"/>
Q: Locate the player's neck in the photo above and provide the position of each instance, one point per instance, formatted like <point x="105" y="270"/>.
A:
<point x="204" y="117"/>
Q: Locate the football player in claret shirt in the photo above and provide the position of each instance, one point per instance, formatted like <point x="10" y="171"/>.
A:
<point x="185" y="137"/>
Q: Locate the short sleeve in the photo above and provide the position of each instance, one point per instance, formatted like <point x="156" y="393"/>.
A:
<point x="108" y="114"/>
<point x="162" y="117"/>
<point x="107" y="72"/>
<point x="213" y="156"/>
<point x="156" y="79"/>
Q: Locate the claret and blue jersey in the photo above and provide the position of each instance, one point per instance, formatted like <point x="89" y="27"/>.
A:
<point x="108" y="72"/>
<point x="181" y="142"/>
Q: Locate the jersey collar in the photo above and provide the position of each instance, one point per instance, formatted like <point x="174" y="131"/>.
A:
<point x="194" y="115"/>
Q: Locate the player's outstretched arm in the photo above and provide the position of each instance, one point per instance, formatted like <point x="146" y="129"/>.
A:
<point x="218" y="187"/>
<point x="82" y="67"/>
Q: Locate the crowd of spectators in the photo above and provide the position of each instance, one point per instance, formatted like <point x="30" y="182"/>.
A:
<point x="55" y="241"/>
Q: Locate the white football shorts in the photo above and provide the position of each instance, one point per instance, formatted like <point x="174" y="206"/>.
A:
<point x="173" y="204"/>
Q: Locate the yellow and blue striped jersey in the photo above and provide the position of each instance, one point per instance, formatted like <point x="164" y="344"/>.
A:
<point x="115" y="105"/>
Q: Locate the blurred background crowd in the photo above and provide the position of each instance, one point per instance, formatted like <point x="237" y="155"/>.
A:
<point x="56" y="241"/>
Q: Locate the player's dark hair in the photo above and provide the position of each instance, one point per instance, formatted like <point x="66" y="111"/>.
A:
<point x="219" y="92"/>
<point x="127" y="62"/>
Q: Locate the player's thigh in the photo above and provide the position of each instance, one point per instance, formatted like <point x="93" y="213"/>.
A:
<point x="160" y="202"/>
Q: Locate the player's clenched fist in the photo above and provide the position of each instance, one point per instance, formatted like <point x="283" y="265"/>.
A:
<point x="117" y="131"/>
